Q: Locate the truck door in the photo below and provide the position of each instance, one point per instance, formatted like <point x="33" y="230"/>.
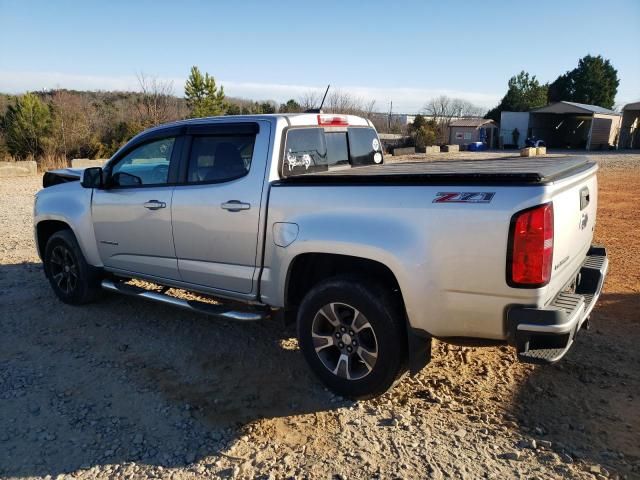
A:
<point x="132" y="217"/>
<point x="216" y="210"/>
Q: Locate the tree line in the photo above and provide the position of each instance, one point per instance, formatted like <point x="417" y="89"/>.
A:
<point x="69" y="124"/>
<point x="64" y="124"/>
<point x="594" y="82"/>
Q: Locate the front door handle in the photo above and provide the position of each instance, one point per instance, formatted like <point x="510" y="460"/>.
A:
<point x="154" y="205"/>
<point x="235" y="205"/>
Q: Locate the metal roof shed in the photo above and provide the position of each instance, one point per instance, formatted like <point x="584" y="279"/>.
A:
<point x="468" y="130"/>
<point x="630" y="128"/>
<point x="575" y="125"/>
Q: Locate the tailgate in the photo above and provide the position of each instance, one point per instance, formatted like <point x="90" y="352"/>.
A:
<point x="575" y="202"/>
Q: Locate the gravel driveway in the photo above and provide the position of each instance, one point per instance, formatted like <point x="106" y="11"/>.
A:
<point x="126" y="388"/>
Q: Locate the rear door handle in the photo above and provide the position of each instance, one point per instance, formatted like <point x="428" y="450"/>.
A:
<point x="154" y="205"/>
<point x="235" y="205"/>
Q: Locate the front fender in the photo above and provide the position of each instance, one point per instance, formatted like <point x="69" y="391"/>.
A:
<point x="69" y="203"/>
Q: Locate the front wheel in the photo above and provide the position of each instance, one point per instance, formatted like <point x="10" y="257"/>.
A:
<point x="72" y="279"/>
<point x="352" y="334"/>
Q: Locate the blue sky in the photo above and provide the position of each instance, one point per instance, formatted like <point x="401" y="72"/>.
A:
<point x="405" y="51"/>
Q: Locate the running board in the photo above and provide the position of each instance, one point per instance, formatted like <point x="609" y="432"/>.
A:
<point x="220" y="311"/>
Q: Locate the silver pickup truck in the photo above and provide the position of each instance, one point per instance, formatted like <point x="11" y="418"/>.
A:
<point x="298" y="217"/>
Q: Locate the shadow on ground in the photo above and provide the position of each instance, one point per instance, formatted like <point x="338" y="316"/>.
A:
<point x="588" y="404"/>
<point x="124" y="380"/>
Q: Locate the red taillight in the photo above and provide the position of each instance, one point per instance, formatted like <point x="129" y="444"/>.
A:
<point x="531" y="247"/>
<point x="332" y="121"/>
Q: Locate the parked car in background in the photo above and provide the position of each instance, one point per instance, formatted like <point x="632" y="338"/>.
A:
<point x="534" y="142"/>
<point x="477" y="147"/>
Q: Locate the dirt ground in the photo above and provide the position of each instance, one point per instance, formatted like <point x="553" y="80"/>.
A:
<point x="129" y="389"/>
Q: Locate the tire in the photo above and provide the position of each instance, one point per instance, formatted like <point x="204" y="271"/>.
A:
<point x="72" y="279"/>
<point x="343" y="310"/>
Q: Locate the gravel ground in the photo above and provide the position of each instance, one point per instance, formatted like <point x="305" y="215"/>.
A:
<point x="128" y="389"/>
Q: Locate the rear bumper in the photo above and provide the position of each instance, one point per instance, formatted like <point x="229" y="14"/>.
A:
<point x="545" y="335"/>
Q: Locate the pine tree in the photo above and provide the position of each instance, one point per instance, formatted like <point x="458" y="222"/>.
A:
<point x="524" y="92"/>
<point x="594" y="81"/>
<point x="202" y="95"/>
<point x="26" y="126"/>
<point x="290" y="107"/>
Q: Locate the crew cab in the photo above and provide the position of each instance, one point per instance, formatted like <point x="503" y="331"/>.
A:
<point x="298" y="217"/>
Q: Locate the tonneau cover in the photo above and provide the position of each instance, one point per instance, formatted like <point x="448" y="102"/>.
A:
<point x="500" y="170"/>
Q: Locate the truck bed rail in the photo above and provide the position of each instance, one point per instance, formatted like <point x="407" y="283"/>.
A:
<point x="489" y="171"/>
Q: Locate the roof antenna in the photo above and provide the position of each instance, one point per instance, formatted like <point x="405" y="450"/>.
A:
<point x="319" y="109"/>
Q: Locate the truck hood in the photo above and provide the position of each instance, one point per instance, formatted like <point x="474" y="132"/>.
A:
<point x="64" y="175"/>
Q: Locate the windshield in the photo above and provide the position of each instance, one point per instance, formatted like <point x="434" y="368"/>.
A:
<point x="312" y="149"/>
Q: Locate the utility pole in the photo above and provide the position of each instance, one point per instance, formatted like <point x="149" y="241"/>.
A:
<point x="389" y="119"/>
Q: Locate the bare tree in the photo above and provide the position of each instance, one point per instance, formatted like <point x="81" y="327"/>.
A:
<point x="338" y="101"/>
<point x="464" y="109"/>
<point x="157" y="103"/>
<point x="72" y="134"/>
<point x="439" y="108"/>
<point x="444" y="110"/>
<point x="309" y="100"/>
<point x="368" y="109"/>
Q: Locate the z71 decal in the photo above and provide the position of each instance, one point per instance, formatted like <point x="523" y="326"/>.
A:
<point x="463" y="197"/>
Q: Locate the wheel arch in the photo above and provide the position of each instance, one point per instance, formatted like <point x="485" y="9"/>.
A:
<point x="307" y="269"/>
<point x="45" y="229"/>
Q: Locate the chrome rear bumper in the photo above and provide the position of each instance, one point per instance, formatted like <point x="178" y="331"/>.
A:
<point x="545" y="335"/>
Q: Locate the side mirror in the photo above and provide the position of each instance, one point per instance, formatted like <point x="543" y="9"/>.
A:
<point x="92" y="177"/>
<point x="124" y="179"/>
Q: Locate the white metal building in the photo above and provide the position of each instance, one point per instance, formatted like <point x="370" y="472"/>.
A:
<point x="564" y="125"/>
<point x="514" y="127"/>
<point x="630" y="128"/>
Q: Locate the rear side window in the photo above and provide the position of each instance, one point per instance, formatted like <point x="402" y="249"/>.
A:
<point x="364" y="146"/>
<point x="305" y="151"/>
<point x="309" y="150"/>
<point x="219" y="158"/>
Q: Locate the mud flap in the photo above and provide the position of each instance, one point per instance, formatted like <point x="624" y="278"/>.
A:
<point x="419" y="343"/>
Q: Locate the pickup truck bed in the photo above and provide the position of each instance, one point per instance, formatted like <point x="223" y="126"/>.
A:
<point x="495" y="171"/>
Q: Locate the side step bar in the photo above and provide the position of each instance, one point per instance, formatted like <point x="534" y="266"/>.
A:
<point x="220" y="311"/>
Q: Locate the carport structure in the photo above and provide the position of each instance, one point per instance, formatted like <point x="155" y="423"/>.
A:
<point x="630" y="128"/>
<point x="575" y="125"/>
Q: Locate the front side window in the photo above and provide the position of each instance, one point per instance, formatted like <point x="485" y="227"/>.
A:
<point x="219" y="158"/>
<point x="147" y="164"/>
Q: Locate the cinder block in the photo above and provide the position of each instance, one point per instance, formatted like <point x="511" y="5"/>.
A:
<point x="18" y="169"/>
<point x="86" y="163"/>
<point x="528" y="152"/>
<point x="450" y="148"/>
<point x="429" y="149"/>
<point x="404" y="151"/>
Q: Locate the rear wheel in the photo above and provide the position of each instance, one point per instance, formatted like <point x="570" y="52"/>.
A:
<point x="73" y="280"/>
<point x="353" y="337"/>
